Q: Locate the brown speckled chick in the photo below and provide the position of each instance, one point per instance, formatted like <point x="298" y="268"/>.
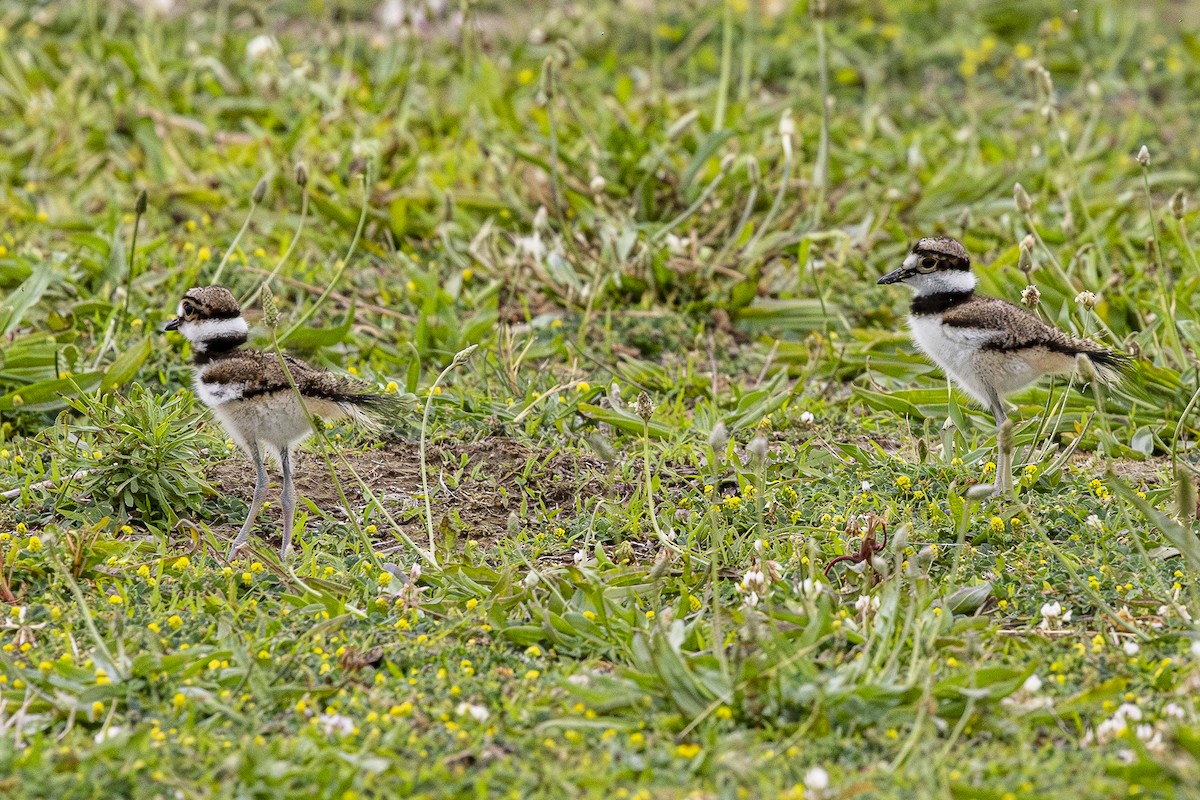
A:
<point x="988" y="347"/>
<point x="249" y="392"/>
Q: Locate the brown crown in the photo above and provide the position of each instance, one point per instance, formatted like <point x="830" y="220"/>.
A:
<point x="213" y="302"/>
<point x="943" y="246"/>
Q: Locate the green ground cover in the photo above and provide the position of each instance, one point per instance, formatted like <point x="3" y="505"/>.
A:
<point x="686" y="398"/>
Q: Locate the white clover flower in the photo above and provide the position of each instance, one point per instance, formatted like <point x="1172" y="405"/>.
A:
<point x="816" y="779"/>
<point x="1032" y="684"/>
<point x="1053" y="615"/>
<point x="532" y="246"/>
<point x="335" y="724"/>
<point x="811" y="589"/>
<point x="161" y="7"/>
<point x="1149" y="737"/>
<point x="1093" y="521"/>
<point x="1173" y="711"/>
<point x="261" y="46"/>
<point x="1128" y="712"/>
<point x="108" y="732"/>
<point x="390" y="13"/>
<point x="807" y="418"/>
<point x="477" y="713"/>
<point x="866" y="486"/>
<point x="678" y="245"/>
<point x="754" y="581"/>
<point x="866" y="604"/>
<point x="1131" y="648"/>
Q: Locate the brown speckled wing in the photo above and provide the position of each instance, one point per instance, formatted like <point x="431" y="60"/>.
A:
<point x="260" y="373"/>
<point x="1016" y="329"/>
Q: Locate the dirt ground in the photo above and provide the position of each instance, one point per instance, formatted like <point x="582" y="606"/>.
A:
<point x="474" y="486"/>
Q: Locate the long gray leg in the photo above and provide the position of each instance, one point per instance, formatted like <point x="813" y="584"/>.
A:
<point x="260" y="492"/>
<point x="288" y="501"/>
<point x="1004" y="482"/>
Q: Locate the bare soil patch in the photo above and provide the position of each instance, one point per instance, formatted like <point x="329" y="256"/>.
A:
<point x="474" y="486"/>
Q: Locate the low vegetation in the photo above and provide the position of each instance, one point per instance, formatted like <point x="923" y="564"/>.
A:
<point x="686" y="516"/>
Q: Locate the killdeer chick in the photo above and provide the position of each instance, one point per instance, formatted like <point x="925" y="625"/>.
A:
<point x="988" y="347"/>
<point x="249" y="393"/>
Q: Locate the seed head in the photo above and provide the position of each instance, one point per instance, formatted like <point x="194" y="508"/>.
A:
<point x="1031" y="296"/>
<point x="752" y="169"/>
<point x="546" y="83"/>
<point x="1143" y="156"/>
<point x="964" y="218"/>
<point x="787" y="132"/>
<point x="1005" y="437"/>
<point x="1178" y="204"/>
<point x="270" y="308"/>
<point x="719" y="438"/>
<point x="645" y="407"/>
<point x="1087" y="299"/>
<point x="757" y="450"/>
<point x="260" y="191"/>
<point x="1021" y="198"/>
<point x="139" y="207"/>
<point x="1185" y="495"/>
<point x="301" y="175"/>
<point x="1025" y="259"/>
<point x="463" y="356"/>
<point x="597" y="184"/>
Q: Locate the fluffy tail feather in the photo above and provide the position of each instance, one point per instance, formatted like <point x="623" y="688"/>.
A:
<point x="379" y="412"/>
<point x="1110" y="366"/>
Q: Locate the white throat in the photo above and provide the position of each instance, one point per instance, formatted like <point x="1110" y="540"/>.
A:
<point x="201" y="332"/>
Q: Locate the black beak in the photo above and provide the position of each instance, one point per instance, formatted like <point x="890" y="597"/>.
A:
<point x="173" y="325"/>
<point x="895" y="276"/>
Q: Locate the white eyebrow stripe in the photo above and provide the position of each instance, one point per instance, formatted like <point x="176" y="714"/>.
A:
<point x="910" y="262"/>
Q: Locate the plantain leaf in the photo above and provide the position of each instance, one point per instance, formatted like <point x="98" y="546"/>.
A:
<point x="122" y="370"/>
<point x="13" y="309"/>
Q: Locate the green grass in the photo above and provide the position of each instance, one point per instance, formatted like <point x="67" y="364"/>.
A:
<point x="606" y="200"/>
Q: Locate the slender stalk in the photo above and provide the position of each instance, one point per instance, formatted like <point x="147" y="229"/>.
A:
<point x="776" y="203"/>
<point x="252" y="298"/>
<point x="459" y="359"/>
<point x="694" y="207"/>
<point x="362" y="219"/>
<point x="1187" y="244"/>
<point x="726" y="66"/>
<point x="1153" y="220"/>
<point x="138" y="210"/>
<point x="748" y="28"/>
<point x="255" y="199"/>
<point x="821" y="168"/>
<point x="658" y="531"/>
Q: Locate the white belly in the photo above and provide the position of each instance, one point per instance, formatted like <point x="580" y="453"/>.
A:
<point x="274" y="422"/>
<point x="956" y="351"/>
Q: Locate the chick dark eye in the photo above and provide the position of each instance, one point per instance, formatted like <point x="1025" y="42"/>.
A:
<point x="188" y="309"/>
<point x="928" y="264"/>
